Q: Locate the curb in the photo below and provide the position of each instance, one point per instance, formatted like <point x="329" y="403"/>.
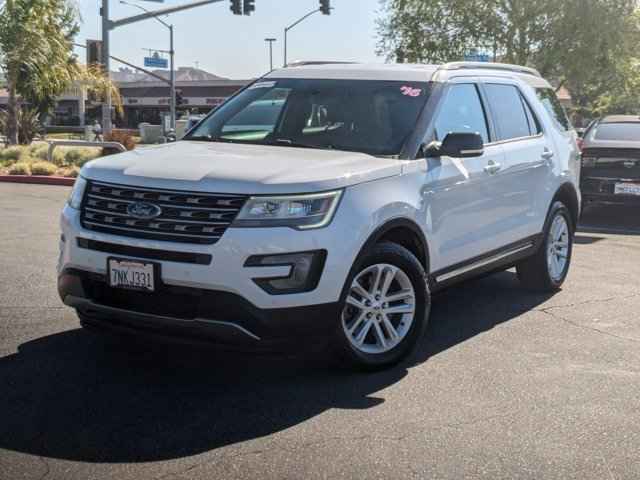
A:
<point x="38" y="179"/>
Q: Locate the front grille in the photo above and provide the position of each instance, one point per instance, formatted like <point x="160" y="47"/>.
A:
<point x="188" y="217"/>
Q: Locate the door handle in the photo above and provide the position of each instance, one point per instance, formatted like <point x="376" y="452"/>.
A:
<point x="492" y="167"/>
<point x="547" y="154"/>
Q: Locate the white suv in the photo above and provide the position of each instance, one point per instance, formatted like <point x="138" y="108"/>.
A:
<point x="327" y="202"/>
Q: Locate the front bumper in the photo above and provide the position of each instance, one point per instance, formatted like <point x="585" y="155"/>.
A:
<point x="193" y="315"/>
<point x="222" y="266"/>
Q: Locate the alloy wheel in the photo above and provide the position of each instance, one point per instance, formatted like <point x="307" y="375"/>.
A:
<point x="379" y="309"/>
<point x="558" y="248"/>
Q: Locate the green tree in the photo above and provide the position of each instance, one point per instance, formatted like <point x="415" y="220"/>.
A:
<point x="36" y="53"/>
<point x="576" y="43"/>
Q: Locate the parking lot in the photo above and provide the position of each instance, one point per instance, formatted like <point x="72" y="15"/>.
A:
<point x="506" y="384"/>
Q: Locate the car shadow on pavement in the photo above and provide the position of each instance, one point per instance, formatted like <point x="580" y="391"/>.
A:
<point x="74" y="396"/>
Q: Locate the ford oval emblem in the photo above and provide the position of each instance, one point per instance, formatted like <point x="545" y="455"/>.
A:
<point x="143" y="210"/>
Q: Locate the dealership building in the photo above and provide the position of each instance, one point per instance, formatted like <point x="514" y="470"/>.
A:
<point x="144" y="98"/>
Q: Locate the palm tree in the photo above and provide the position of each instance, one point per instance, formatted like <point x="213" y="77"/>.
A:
<point x="36" y="54"/>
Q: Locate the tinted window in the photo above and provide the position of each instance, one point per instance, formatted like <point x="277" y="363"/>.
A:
<point x="461" y="111"/>
<point x="618" y="131"/>
<point x="508" y="109"/>
<point x="368" y="116"/>
<point x="550" y="101"/>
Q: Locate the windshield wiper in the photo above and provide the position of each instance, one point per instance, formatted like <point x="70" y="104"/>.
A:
<point x="286" y="142"/>
<point x="200" y="138"/>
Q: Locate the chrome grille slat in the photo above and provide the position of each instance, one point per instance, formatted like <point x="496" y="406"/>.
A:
<point x="169" y="212"/>
<point x="134" y="230"/>
<point x="165" y="205"/>
<point x="190" y="217"/>
<point x="162" y="191"/>
<point x="169" y="220"/>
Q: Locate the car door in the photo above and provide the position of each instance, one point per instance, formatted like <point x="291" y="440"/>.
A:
<point x="459" y="197"/>
<point x="527" y="166"/>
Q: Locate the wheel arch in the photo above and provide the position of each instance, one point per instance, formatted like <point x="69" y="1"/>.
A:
<point x="406" y="233"/>
<point x="568" y="195"/>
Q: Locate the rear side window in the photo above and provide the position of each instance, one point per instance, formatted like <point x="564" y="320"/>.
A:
<point x="508" y="108"/>
<point x="534" y="124"/>
<point x="618" y="131"/>
<point x="551" y="103"/>
<point x="461" y="112"/>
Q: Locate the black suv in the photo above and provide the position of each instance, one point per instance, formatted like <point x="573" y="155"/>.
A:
<point x="611" y="161"/>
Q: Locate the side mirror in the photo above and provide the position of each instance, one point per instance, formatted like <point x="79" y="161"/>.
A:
<point x="457" y="145"/>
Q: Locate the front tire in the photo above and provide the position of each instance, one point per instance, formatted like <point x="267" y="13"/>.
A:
<point x="547" y="270"/>
<point x="385" y="308"/>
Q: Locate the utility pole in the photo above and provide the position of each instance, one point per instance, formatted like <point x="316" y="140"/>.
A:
<point x="106" y="106"/>
<point x="108" y="25"/>
<point x="324" y="8"/>
<point x="270" y="41"/>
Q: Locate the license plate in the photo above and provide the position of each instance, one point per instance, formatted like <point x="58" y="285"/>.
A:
<point x="627" y="189"/>
<point x="131" y="274"/>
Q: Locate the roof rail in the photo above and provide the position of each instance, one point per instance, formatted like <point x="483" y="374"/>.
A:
<point x="302" y="63"/>
<point x="490" y="66"/>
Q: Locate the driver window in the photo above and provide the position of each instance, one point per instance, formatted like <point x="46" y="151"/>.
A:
<point x="461" y="112"/>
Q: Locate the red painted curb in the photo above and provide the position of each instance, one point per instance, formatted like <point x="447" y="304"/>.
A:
<point x="38" y="179"/>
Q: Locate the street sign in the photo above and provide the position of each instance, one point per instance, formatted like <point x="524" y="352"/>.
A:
<point x="156" y="61"/>
<point x="477" y="57"/>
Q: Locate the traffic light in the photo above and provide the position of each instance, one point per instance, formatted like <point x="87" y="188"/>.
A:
<point x="236" y="7"/>
<point x="249" y="6"/>
<point x="325" y="8"/>
<point x="179" y="98"/>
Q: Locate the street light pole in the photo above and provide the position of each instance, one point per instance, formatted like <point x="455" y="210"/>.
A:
<point x="172" y="75"/>
<point x="270" y="40"/>
<point x="286" y="30"/>
<point x="325" y="9"/>
<point x="108" y="25"/>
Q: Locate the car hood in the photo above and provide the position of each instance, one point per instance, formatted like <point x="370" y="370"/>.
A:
<point x="235" y="168"/>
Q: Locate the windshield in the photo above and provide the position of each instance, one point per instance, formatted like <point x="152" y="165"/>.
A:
<point x="369" y="116"/>
<point x="618" y="131"/>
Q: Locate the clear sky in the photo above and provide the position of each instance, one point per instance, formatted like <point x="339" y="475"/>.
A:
<point x="233" y="46"/>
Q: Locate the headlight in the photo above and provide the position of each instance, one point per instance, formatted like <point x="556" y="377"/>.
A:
<point x="75" y="199"/>
<point x="302" y="212"/>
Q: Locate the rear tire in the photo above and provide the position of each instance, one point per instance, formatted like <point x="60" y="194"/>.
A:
<point x="384" y="309"/>
<point x="547" y="269"/>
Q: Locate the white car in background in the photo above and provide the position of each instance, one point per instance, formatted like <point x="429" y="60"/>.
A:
<point x="333" y="217"/>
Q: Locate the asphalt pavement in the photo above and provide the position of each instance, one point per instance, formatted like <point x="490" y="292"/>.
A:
<point x="506" y="383"/>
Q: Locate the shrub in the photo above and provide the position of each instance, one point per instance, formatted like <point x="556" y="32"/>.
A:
<point x="39" y="150"/>
<point x="120" y="136"/>
<point x="71" y="172"/>
<point x="12" y="154"/>
<point x="43" y="168"/>
<point x="28" y="124"/>
<point x="20" y="168"/>
<point x="80" y="156"/>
